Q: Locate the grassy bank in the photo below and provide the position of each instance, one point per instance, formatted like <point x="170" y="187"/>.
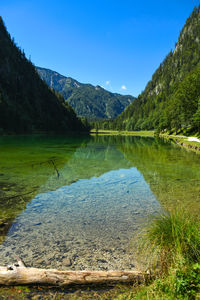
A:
<point x="116" y="132"/>
<point x="173" y="244"/>
<point x="178" y="139"/>
<point x="175" y="238"/>
<point x="183" y="142"/>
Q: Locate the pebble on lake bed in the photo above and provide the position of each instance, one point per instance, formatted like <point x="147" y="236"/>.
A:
<point x="67" y="262"/>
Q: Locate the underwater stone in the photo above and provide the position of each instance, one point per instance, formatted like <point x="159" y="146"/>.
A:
<point x="67" y="262"/>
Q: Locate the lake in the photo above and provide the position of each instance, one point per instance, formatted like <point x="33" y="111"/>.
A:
<point x="80" y="202"/>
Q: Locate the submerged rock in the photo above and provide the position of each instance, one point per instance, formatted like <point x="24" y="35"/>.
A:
<point x="102" y="261"/>
<point x="67" y="262"/>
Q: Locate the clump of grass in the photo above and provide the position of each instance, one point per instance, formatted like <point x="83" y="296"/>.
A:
<point x="173" y="243"/>
<point x="175" y="237"/>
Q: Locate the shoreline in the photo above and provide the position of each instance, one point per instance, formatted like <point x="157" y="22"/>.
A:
<point x="189" y="143"/>
<point x="124" y="133"/>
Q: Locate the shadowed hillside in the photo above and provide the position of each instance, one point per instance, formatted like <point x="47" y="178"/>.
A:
<point x="26" y="102"/>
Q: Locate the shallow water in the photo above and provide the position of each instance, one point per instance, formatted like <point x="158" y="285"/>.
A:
<point x="81" y="201"/>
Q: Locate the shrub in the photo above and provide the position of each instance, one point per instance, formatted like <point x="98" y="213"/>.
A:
<point x="187" y="282"/>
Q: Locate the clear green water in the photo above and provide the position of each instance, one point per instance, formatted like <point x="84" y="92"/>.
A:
<point x="86" y="198"/>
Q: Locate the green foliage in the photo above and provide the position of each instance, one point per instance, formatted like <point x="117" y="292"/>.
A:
<point x="196" y="117"/>
<point x="87" y="100"/>
<point x="187" y="281"/>
<point x="27" y="104"/>
<point x="183" y="283"/>
<point x="183" y="105"/>
<point x="175" y="239"/>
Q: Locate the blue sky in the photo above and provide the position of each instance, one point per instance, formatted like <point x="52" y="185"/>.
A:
<point x="113" y="43"/>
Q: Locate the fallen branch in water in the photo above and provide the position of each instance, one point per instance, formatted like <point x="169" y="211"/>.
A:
<point x="51" y="162"/>
<point x="55" y="168"/>
<point x="19" y="274"/>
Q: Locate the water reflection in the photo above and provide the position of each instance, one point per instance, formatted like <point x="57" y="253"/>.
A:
<point x="106" y="189"/>
<point x="25" y="165"/>
<point x="90" y="221"/>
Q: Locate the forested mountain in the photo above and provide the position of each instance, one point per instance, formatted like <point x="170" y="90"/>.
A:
<point x="171" y="100"/>
<point x="27" y="104"/>
<point x="87" y="100"/>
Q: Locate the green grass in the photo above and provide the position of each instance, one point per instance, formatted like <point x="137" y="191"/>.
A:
<point x="190" y="142"/>
<point x="116" y="132"/>
<point x="173" y="242"/>
<point x="175" y="236"/>
<point x="183" y="142"/>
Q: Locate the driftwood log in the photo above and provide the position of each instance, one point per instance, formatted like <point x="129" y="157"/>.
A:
<point x="19" y="274"/>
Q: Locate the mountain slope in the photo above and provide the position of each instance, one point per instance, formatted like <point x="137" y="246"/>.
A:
<point x="26" y="102"/>
<point x="87" y="100"/>
<point x="161" y="103"/>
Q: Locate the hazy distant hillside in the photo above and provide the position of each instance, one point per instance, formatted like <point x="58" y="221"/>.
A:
<point x="87" y="100"/>
<point x="26" y="103"/>
<point x="171" y="99"/>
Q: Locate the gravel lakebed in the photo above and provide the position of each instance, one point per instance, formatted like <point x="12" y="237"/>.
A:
<point x="90" y="224"/>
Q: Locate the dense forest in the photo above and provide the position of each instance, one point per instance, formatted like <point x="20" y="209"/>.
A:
<point x="92" y="102"/>
<point x="171" y="100"/>
<point x="27" y="104"/>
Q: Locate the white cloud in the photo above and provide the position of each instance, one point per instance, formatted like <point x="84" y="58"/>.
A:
<point x="108" y="85"/>
<point x="123" y="87"/>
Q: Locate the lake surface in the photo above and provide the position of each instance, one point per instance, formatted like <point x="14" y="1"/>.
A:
<point x="79" y="202"/>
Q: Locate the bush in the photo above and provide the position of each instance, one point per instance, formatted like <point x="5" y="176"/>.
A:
<point x="187" y="282"/>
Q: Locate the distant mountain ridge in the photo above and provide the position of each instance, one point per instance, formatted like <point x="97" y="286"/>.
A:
<point x="27" y="104"/>
<point x="87" y="100"/>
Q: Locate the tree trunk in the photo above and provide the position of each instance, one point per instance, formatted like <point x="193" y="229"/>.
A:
<point x="19" y="274"/>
